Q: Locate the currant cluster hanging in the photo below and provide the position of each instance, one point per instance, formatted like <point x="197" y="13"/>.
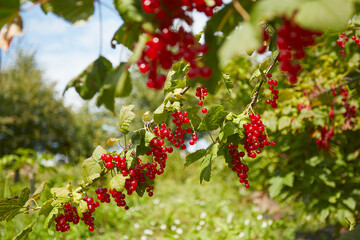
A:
<point x="292" y="39"/>
<point x="167" y="46"/>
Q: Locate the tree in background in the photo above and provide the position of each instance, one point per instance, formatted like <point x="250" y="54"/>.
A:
<point x="31" y="116"/>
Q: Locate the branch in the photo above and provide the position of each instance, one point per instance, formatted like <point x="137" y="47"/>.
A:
<point x="337" y="86"/>
<point x="257" y="90"/>
<point x="245" y="15"/>
<point x="87" y="185"/>
<point x="183" y="91"/>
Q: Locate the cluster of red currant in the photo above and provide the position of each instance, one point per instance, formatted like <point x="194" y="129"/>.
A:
<point x="343" y="39"/>
<point x="201" y="6"/>
<point x="201" y="93"/>
<point x="71" y="216"/>
<point x="265" y="37"/>
<point x="292" y="39"/>
<point x="274" y="92"/>
<point x="302" y="106"/>
<point x="102" y="195"/>
<point x="323" y="141"/>
<point x="167" y="46"/>
<point x="239" y="165"/>
<point x="119" y="198"/>
<point x="350" y="111"/>
<point x="111" y="160"/>
<point x="255" y="136"/>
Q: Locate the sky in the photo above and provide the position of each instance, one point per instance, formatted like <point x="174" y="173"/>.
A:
<point x="63" y="50"/>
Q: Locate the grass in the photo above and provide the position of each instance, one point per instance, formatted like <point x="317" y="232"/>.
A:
<point x="181" y="208"/>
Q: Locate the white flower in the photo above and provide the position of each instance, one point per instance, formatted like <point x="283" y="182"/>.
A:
<point x="230" y="226"/>
<point x="217" y="229"/>
<point x="259" y="217"/>
<point x="308" y="217"/>
<point x="241" y="235"/>
<point x="156" y="201"/>
<point x="125" y="237"/>
<point x="203" y="215"/>
<point x="163" y="227"/>
<point x="143" y="237"/>
<point x="198" y="227"/>
<point x="136" y="225"/>
<point x="176" y="236"/>
<point x="264" y="225"/>
<point x="152" y="223"/>
<point x="177" y="221"/>
<point x="247" y="221"/>
<point x="173" y="228"/>
<point x="202" y="222"/>
<point x="179" y="231"/>
<point x="229" y="217"/>
<point x="148" y="232"/>
<point x="270" y="222"/>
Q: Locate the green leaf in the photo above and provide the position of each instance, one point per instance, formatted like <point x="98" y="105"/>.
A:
<point x="228" y="129"/>
<point x="205" y="169"/>
<point x="325" y="178"/>
<point x="92" y="169"/>
<point x="255" y="74"/>
<point x="176" y="78"/>
<point x="193" y="157"/>
<point x="8" y="10"/>
<point x="83" y="207"/>
<point x="39" y="190"/>
<point x="46" y="208"/>
<point x="330" y="15"/>
<point x="99" y="150"/>
<point x="50" y="218"/>
<point x="148" y="137"/>
<point x="23" y="235"/>
<point x="121" y="81"/>
<point x="284" y="122"/>
<point x="269" y="9"/>
<point x="70" y="10"/>
<point x="89" y="82"/>
<point x="127" y="35"/>
<point x="141" y="187"/>
<point x="63" y="193"/>
<point x="350" y="202"/>
<point x="213" y="119"/>
<point x="224" y="21"/>
<point x="118" y="182"/>
<point x="117" y="84"/>
<point x="160" y="115"/>
<point x="276" y="185"/>
<point x="324" y="214"/>
<point x="289" y="179"/>
<point x="10" y="207"/>
<point x="244" y="39"/>
<point x="130" y="10"/>
<point x="125" y="118"/>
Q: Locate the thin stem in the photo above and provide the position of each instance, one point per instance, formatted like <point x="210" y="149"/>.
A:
<point x="257" y="90"/>
<point x="337" y="86"/>
<point x="183" y="91"/>
<point x="245" y="15"/>
<point x="31" y="210"/>
<point x="87" y="185"/>
<point x="100" y="28"/>
<point x="212" y="139"/>
<point x="225" y="18"/>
